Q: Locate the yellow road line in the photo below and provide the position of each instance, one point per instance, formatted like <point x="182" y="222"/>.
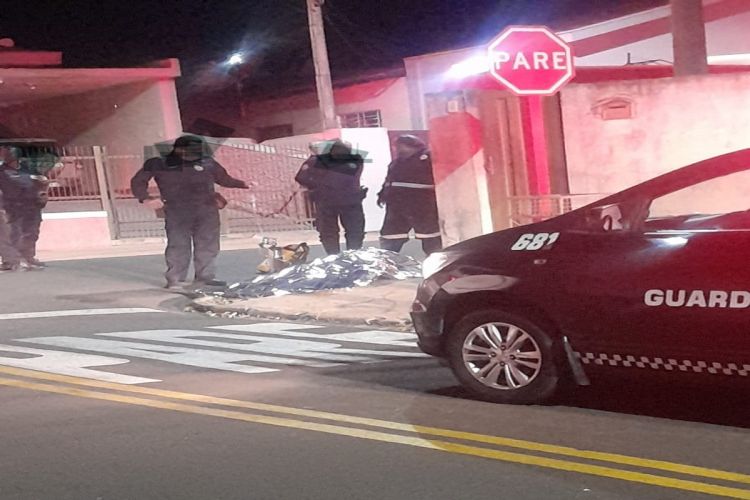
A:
<point x="549" y="463"/>
<point x="384" y="424"/>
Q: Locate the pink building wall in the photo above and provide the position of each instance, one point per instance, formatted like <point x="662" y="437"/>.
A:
<point x="389" y="96"/>
<point x="123" y="118"/>
<point x="675" y="122"/>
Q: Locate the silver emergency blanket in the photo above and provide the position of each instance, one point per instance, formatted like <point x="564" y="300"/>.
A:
<point x="354" y="268"/>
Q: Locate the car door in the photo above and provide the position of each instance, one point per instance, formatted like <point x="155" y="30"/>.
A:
<point x="698" y="307"/>
<point x="669" y="290"/>
<point x="597" y="285"/>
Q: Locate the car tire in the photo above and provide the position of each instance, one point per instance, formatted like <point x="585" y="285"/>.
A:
<point x="493" y="380"/>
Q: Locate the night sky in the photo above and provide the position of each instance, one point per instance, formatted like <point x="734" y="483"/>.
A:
<point x="362" y="34"/>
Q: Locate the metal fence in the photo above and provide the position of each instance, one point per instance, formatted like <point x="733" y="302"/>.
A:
<point x="529" y="209"/>
<point x="275" y="202"/>
<point x="89" y="179"/>
<point x="74" y="183"/>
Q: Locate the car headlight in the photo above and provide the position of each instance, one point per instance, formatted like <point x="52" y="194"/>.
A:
<point x="434" y="263"/>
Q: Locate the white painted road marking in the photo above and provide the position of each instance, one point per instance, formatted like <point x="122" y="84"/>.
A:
<point x="286" y="347"/>
<point x="281" y="344"/>
<point x="201" y="358"/>
<point x="282" y="347"/>
<point x="67" y="363"/>
<point x="379" y="337"/>
<point x="78" y="312"/>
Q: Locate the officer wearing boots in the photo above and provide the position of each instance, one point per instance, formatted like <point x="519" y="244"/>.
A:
<point x="334" y="180"/>
<point x="409" y="197"/>
<point x="186" y="179"/>
<point x="24" y="186"/>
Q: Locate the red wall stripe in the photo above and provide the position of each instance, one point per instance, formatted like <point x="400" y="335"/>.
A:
<point x="653" y="28"/>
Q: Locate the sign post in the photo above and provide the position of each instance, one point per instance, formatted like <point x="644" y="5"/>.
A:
<point x="531" y="60"/>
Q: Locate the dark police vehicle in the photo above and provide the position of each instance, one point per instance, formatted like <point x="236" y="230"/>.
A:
<point x="653" y="279"/>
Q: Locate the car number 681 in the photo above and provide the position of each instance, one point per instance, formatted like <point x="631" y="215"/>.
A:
<point x="535" y="241"/>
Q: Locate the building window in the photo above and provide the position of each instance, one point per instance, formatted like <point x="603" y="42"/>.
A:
<point x="275" y="132"/>
<point x="363" y="119"/>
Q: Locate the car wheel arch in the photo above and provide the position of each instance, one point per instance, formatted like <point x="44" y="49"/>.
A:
<point x="465" y="304"/>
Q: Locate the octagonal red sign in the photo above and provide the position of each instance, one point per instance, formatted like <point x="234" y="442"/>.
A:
<point x="531" y="60"/>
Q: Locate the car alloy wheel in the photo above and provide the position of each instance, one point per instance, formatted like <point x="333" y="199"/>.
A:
<point x="502" y="356"/>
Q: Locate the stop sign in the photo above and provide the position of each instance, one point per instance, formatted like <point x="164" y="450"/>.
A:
<point x="531" y="60"/>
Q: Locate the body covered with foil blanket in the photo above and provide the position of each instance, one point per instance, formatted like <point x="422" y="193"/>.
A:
<point x="349" y="269"/>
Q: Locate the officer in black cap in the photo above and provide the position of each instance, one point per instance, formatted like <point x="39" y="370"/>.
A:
<point x="409" y="197"/>
<point x="186" y="178"/>
<point x="334" y="180"/>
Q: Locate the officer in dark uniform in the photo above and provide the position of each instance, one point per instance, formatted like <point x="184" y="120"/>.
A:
<point x="186" y="179"/>
<point x="334" y="180"/>
<point x="409" y="197"/>
<point x="9" y="258"/>
<point x="25" y="187"/>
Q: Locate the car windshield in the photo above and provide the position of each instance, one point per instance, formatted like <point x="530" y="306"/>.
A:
<point x="708" y="203"/>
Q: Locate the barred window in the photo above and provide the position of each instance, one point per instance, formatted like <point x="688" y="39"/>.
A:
<point x="362" y="119"/>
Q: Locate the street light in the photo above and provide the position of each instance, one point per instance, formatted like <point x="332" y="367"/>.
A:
<point x="236" y="59"/>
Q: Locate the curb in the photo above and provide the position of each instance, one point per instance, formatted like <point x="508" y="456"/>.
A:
<point x="231" y="312"/>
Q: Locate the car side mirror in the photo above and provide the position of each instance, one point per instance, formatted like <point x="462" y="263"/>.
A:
<point x="605" y="219"/>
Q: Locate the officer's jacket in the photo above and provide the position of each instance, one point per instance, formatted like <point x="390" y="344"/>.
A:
<point x="333" y="180"/>
<point x="183" y="183"/>
<point x="408" y="177"/>
<point x="21" y="188"/>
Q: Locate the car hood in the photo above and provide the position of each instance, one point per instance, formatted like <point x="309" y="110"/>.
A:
<point x="501" y="241"/>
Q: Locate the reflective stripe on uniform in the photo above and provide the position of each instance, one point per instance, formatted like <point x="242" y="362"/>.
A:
<point x="427" y="236"/>
<point x="412" y="185"/>
<point x="395" y="236"/>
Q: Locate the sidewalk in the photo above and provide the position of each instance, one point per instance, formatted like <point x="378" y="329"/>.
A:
<point x="385" y="304"/>
<point x="155" y="246"/>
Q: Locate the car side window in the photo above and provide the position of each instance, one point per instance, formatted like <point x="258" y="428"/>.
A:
<point x="721" y="203"/>
<point x="606" y="218"/>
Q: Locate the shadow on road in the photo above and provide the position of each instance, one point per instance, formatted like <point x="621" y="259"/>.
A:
<point x="702" y="404"/>
<point x="715" y="404"/>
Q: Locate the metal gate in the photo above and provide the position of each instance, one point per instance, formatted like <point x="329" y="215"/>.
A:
<point x="274" y="202"/>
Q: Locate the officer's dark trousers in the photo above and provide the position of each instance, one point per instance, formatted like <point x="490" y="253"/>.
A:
<point x="24" y="222"/>
<point x="8" y="253"/>
<point x="417" y="211"/>
<point x="192" y="232"/>
<point x="352" y="218"/>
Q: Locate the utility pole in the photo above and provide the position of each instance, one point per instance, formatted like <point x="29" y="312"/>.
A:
<point x="322" y="66"/>
<point x="689" y="38"/>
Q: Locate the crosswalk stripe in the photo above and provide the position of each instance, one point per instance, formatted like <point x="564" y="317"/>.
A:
<point x="77" y="312"/>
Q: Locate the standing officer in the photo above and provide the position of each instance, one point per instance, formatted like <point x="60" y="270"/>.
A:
<point x="9" y="258"/>
<point x="186" y="179"/>
<point x="334" y="180"/>
<point x="24" y="186"/>
<point x="409" y="197"/>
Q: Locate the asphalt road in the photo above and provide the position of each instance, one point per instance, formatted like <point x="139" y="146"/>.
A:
<point x="128" y="397"/>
